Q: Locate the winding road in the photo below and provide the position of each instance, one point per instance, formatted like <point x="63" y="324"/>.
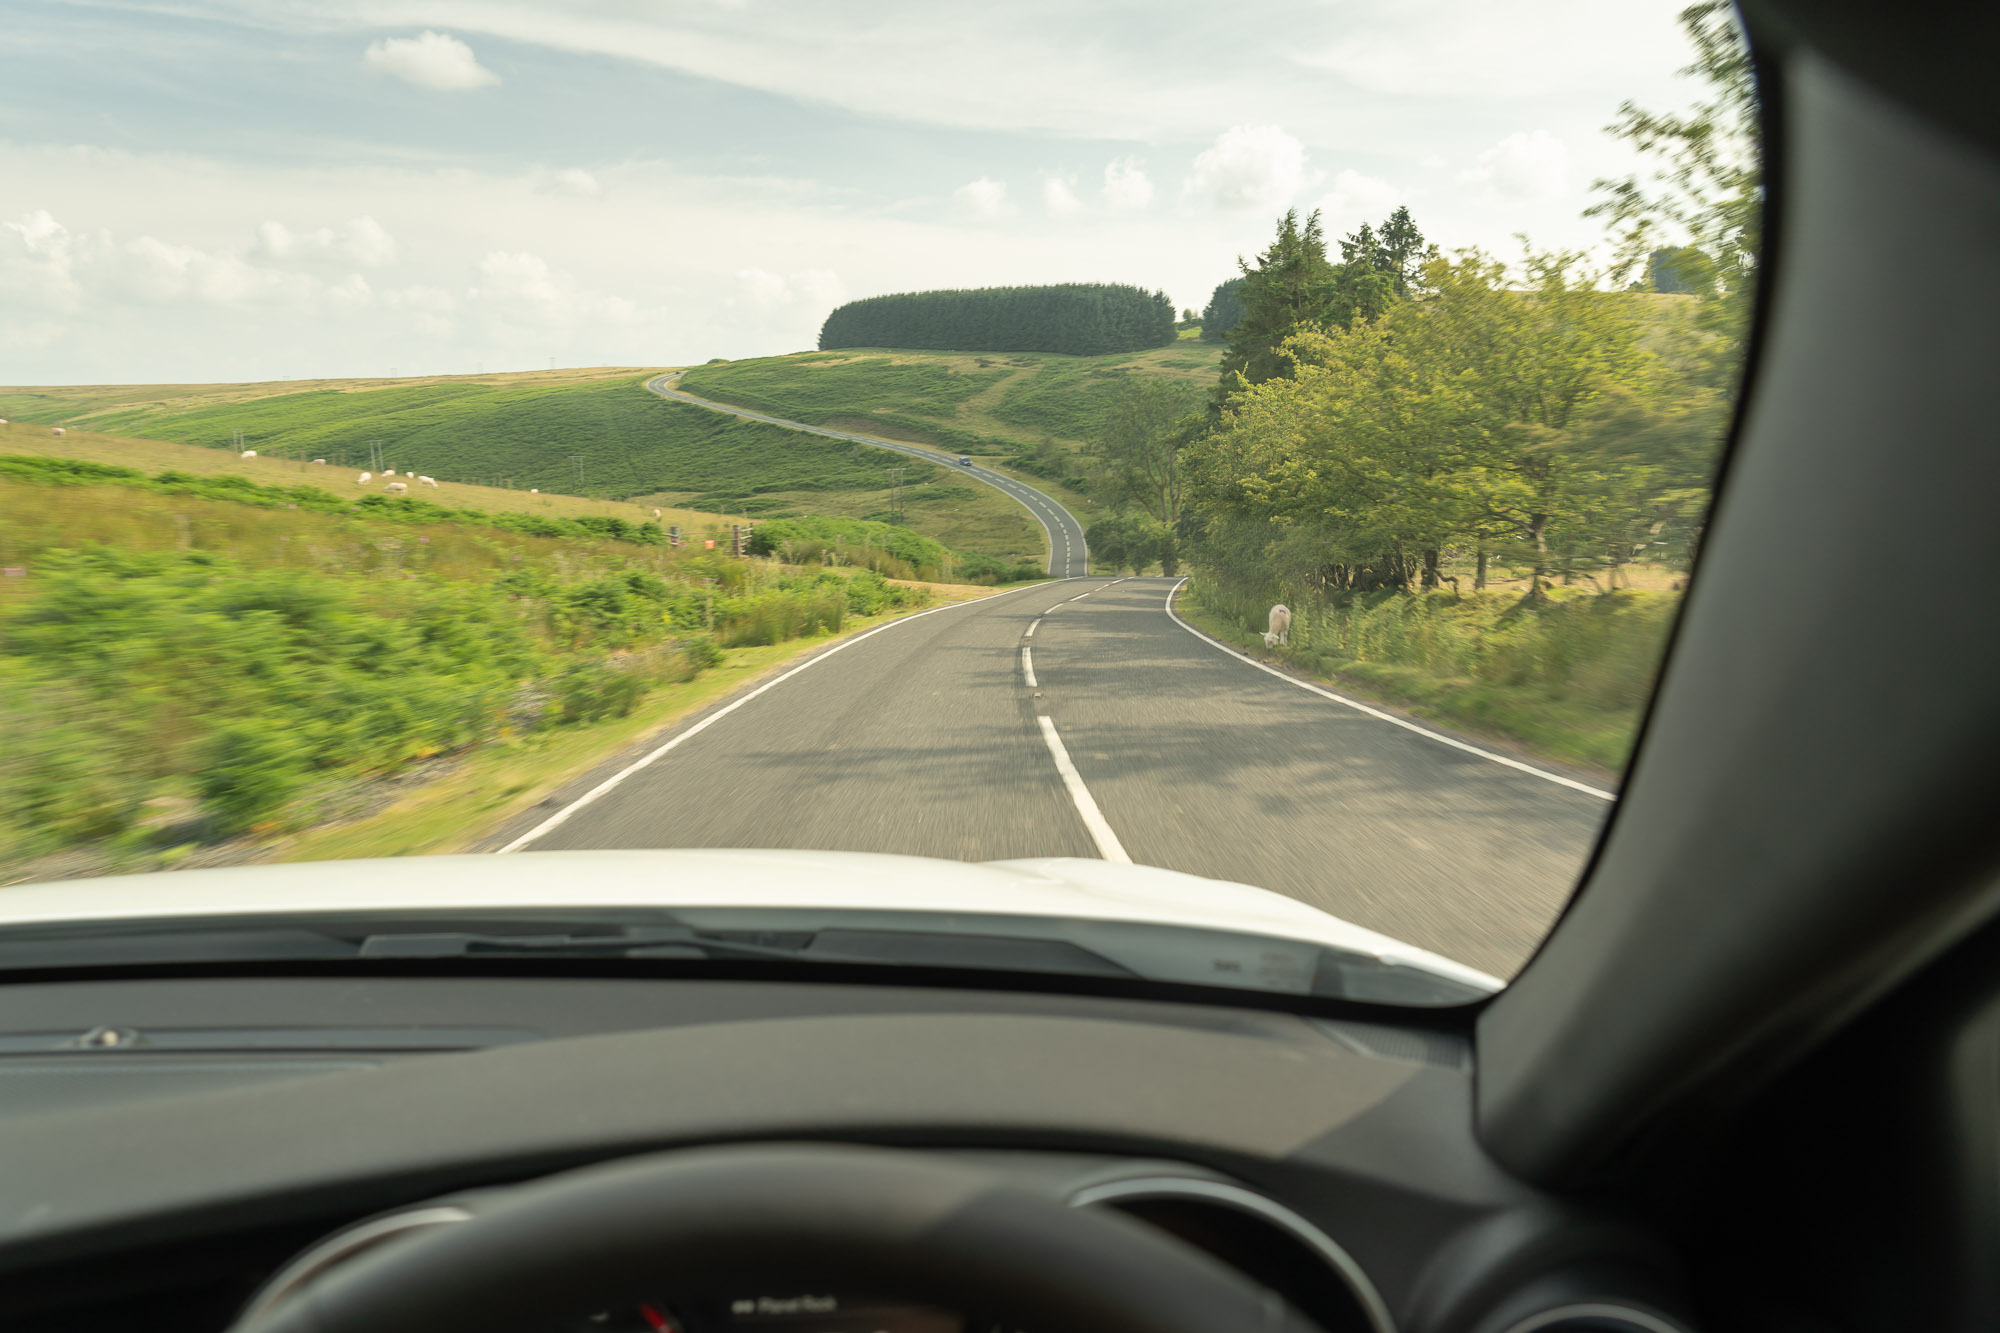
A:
<point x="1068" y="555"/>
<point x="1085" y="718"/>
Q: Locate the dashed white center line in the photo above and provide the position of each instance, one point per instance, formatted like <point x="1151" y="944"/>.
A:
<point x="1028" y="668"/>
<point x="1031" y="629"/>
<point x="1108" y="846"/>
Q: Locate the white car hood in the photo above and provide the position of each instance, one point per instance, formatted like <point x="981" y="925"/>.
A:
<point x="1062" y="887"/>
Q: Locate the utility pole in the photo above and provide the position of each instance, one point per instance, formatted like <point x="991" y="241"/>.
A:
<point x="578" y="460"/>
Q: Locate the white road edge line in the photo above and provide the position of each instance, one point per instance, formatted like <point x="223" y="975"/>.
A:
<point x="561" y="816"/>
<point x="1028" y="668"/>
<point x="1390" y="718"/>
<point x="1108" y="846"/>
<point x="1031" y="629"/>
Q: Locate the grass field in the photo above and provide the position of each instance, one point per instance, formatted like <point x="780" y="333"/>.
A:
<point x="596" y="434"/>
<point x="150" y="456"/>
<point x="1025" y="413"/>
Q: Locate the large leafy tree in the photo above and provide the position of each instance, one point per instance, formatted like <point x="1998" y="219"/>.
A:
<point x="1516" y="411"/>
<point x="1136" y="466"/>
<point x="1296" y="285"/>
<point x="1706" y="190"/>
<point x="1292" y="284"/>
<point x="1223" y="312"/>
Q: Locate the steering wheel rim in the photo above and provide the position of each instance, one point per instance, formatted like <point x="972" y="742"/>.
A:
<point x="777" y="1217"/>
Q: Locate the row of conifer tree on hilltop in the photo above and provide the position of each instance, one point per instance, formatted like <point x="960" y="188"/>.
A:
<point x="1082" y="319"/>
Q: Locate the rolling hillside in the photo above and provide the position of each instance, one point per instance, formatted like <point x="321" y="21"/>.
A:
<point x="595" y="433"/>
<point x="1032" y="411"/>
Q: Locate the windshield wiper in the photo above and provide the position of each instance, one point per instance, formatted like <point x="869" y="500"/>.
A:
<point x="833" y="944"/>
<point x="1108" y="950"/>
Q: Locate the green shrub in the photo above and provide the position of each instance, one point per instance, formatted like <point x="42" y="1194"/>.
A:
<point x="249" y="769"/>
<point x="597" y="690"/>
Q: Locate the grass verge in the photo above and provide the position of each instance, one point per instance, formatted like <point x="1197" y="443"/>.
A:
<point x="1576" y="728"/>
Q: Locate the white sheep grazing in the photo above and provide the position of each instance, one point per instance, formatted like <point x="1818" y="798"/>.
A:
<point x="364" y="479"/>
<point x="1281" y="626"/>
<point x="319" y="460"/>
<point x="397" y="487"/>
<point x="427" y="481"/>
<point x="3" y="421"/>
<point x="533" y="491"/>
<point x="248" y="453"/>
<point x="656" y="513"/>
<point x="388" y="472"/>
<point x="58" y="432"/>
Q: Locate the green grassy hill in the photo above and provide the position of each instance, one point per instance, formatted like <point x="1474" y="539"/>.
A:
<point x="1032" y="410"/>
<point x="531" y="430"/>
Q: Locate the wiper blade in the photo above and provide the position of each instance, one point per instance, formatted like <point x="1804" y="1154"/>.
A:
<point x="632" y="942"/>
<point x="834" y="944"/>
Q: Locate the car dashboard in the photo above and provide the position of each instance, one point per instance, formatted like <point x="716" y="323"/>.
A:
<point x="171" y="1163"/>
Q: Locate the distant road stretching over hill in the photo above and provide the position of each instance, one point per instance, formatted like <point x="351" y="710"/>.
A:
<point x="1069" y="557"/>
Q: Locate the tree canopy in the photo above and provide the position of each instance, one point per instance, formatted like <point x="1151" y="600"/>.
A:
<point x="1083" y="319"/>
<point x="1223" y="312"/>
<point x="1295" y="284"/>
<point x="1530" y="410"/>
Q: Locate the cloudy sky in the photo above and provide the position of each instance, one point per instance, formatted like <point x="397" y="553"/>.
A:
<point x="252" y="189"/>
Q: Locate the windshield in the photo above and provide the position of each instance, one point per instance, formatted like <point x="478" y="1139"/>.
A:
<point x="1062" y="442"/>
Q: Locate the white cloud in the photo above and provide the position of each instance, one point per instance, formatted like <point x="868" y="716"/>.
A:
<point x="38" y="270"/>
<point x="360" y="240"/>
<point x="1059" y="199"/>
<point x="523" y="289"/>
<point x="1250" y="167"/>
<point x="1355" y="199"/>
<point x="431" y="60"/>
<point x="575" y="180"/>
<point x="1529" y="165"/>
<point x="1126" y="187"/>
<point x="983" y="198"/>
<point x="816" y="289"/>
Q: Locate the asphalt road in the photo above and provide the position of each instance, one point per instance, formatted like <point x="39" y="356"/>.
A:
<point x="1068" y="555"/>
<point x="925" y="737"/>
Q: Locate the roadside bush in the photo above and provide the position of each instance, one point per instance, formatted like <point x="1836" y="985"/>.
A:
<point x="597" y="690"/>
<point x="772" y="617"/>
<point x="249" y="769"/>
<point x="984" y="569"/>
<point x="64" y="778"/>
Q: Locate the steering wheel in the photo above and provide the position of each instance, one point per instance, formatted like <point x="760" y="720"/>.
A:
<point x="781" y="1217"/>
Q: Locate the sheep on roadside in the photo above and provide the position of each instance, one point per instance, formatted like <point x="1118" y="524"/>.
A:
<point x="397" y="487"/>
<point x="58" y="432"/>
<point x="364" y="479"/>
<point x="1281" y="626"/>
<point x="248" y="453"/>
<point x="427" y="481"/>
